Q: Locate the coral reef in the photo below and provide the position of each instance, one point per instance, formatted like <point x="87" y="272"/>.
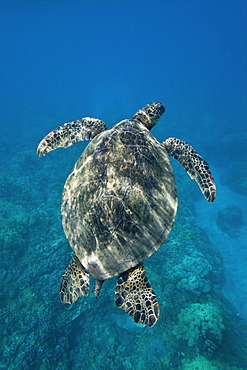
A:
<point x="202" y="363"/>
<point x="38" y="332"/>
<point x="192" y="274"/>
<point x="200" y="323"/>
<point x="236" y="178"/>
<point x="230" y="220"/>
<point x="228" y="145"/>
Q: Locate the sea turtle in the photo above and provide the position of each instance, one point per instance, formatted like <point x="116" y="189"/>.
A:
<point x="119" y="204"/>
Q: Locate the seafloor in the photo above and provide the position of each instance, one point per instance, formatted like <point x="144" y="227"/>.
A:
<point x="198" y="327"/>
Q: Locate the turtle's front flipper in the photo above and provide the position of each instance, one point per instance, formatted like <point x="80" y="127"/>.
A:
<point x="194" y="164"/>
<point x="71" y="133"/>
<point x="75" y="282"/>
<point x="136" y="297"/>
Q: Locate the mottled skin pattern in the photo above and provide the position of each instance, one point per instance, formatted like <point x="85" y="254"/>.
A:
<point x="123" y="193"/>
<point x="194" y="164"/>
<point x="74" y="275"/>
<point x="71" y="133"/>
<point x="119" y="204"/>
<point x="142" y="304"/>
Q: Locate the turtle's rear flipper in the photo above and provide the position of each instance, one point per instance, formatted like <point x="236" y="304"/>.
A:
<point x="71" y="133"/>
<point x="194" y="164"/>
<point x="136" y="297"/>
<point x="75" y="282"/>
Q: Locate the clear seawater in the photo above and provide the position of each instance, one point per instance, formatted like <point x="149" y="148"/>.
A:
<point x="67" y="59"/>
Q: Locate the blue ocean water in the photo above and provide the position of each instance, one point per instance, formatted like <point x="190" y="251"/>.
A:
<point x="63" y="60"/>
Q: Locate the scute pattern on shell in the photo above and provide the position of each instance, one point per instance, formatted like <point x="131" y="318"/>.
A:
<point x="120" y="200"/>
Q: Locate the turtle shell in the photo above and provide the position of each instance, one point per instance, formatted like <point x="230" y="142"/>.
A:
<point x="120" y="200"/>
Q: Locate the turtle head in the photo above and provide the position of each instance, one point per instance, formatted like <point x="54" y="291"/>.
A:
<point x="150" y="114"/>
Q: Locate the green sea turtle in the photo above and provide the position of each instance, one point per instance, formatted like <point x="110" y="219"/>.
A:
<point x="119" y="204"/>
